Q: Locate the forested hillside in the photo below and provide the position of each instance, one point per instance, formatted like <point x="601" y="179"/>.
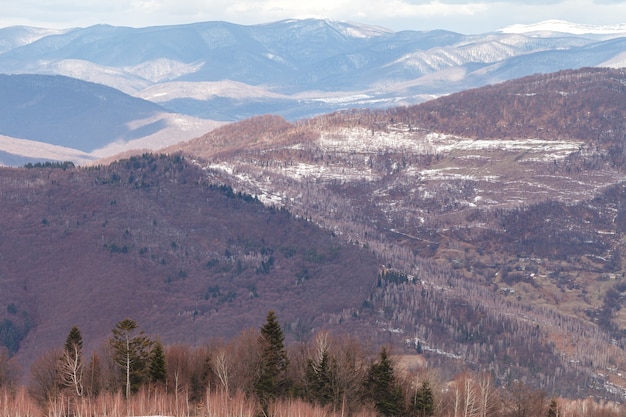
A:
<point x="152" y="238"/>
<point x="498" y="253"/>
<point x="585" y="104"/>
<point x="496" y="213"/>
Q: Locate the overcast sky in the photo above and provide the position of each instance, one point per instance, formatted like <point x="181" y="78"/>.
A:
<point x="462" y="16"/>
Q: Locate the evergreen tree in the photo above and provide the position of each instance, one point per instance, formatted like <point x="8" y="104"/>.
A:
<point x="157" y="370"/>
<point x="74" y="340"/>
<point x="70" y="370"/>
<point x="553" y="409"/>
<point x="131" y="351"/>
<point x="383" y="388"/>
<point x="273" y="364"/>
<point x="320" y="379"/>
<point x="422" y="402"/>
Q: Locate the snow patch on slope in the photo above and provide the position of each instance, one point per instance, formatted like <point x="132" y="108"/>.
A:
<point x="360" y="31"/>
<point x="618" y="61"/>
<point x="99" y="74"/>
<point x="163" y="69"/>
<point x="34" y="149"/>
<point x="177" y="128"/>
<point x="567" y="27"/>
<point x="204" y="91"/>
<point x="16" y="36"/>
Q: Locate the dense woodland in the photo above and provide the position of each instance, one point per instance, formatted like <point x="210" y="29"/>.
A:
<point x="206" y="260"/>
<point x="578" y="104"/>
<point x="257" y="373"/>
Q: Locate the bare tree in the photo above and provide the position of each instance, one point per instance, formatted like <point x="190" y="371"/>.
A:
<point x="93" y="378"/>
<point x="7" y="370"/>
<point x="44" y="379"/>
<point x="488" y="396"/>
<point x="223" y="366"/>
<point x="524" y="401"/>
<point x="247" y="356"/>
<point x="71" y="362"/>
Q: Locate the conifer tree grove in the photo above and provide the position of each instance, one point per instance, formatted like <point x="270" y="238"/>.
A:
<point x="157" y="369"/>
<point x="422" y="402"/>
<point x="553" y="408"/>
<point x="320" y="379"/>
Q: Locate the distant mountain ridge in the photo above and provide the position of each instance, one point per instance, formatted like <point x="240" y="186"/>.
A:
<point x="53" y="117"/>
<point x="40" y="107"/>
<point x="562" y="26"/>
<point x="307" y="61"/>
<point x="219" y="71"/>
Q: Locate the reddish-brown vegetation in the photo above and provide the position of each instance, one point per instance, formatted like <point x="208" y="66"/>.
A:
<point x="195" y="376"/>
<point x="151" y="238"/>
<point x="502" y="205"/>
<point x="499" y="256"/>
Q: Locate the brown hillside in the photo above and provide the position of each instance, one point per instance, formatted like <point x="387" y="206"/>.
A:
<point x="254" y="133"/>
<point x="151" y="238"/>
<point x="497" y="211"/>
<point x="583" y="104"/>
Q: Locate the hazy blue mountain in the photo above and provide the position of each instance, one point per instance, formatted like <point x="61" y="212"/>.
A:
<point x="293" y="68"/>
<point x="15" y="36"/>
<point x="69" y="112"/>
<point x="289" y="56"/>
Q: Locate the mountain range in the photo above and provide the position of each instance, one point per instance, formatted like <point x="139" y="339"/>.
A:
<point x="483" y="229"/>
<point x="200" y="74"/>
<point x="484" y="226"/>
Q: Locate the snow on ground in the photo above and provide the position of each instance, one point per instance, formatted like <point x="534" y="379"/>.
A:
<point x="567" y="27"/>
<point x="353" y="147"/>
<point x="34" y="149"/>
<point x="163" y="69"/>
<point x="553" y="148"/>
<point x="164" y="92"/>
<point x="345" y="174"/>
<point x="342" y="99"/>
<point x="362" y="140"/>
<point x="92" y="72"/>
<point x="447" y="174"/>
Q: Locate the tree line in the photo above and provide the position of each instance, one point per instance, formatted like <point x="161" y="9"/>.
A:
<point x="331" y="375"/>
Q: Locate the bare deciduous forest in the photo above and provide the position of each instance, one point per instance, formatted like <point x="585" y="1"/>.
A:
<point x="502" y="206"/>
<point x="330" y="375"/>
<point x="478" y="237"/>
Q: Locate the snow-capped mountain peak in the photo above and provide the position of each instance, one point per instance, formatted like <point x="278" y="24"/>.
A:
<point x="294" y="68"/>
<point x="567" y="27"/>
